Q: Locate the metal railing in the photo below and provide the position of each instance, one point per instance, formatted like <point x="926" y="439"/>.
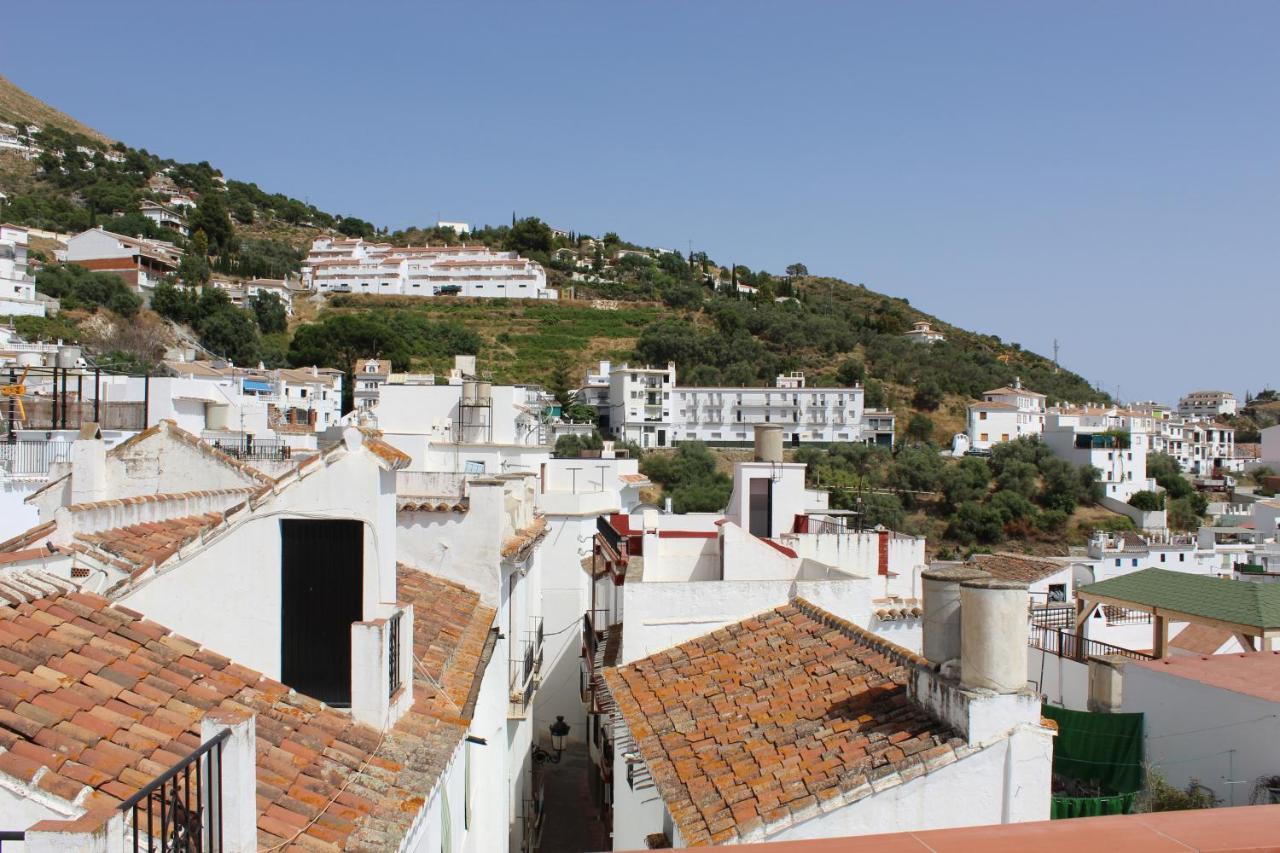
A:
<point x="1053" y="617"/>
<point x="589" y="639"/>
<point x="1123" y="616"/>
<point x="393" y="653"/>
<point x="180" y="811"/>
<point x="265" y="450"/>
<point x="1064" y="644"/>
<point x="32" y="458"/>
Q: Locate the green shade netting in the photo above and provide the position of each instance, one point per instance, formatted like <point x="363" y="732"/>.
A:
<point x="1066" y="807"/>
<point x="1102" y="749"/>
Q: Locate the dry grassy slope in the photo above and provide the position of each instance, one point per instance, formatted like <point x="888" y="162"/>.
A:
<point x="526" y="341"/>
<point x="17" y="105"/>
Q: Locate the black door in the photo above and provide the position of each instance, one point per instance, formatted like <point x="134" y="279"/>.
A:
<point x="321" y="573"/>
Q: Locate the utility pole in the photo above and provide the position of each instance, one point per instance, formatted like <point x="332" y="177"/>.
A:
<point x="1055" y="355"/>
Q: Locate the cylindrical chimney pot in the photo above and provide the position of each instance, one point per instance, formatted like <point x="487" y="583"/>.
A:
<point x="993" y="634"/>
<point x="940" y="589"/>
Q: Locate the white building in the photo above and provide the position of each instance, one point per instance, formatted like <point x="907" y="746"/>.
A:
<point x="140" y="262"/>
<point x="241" y="292"/>
<point x="165" y="217"/>
<point x="646" y="406"/>
<point x="458" y="227"/>
<point x="1271" y="447"/>
<point x="369" y="377"/>
<point x="1005" y="414"/>
<point x="1211" y="720"/>
<point x="1207" y="404"/>
<point x="354" y="266"/>
<point x="17" y="285"/>
<point x="142" y="540"/>
<point x="924" y="333"/>
<point x="1115" y="441"/>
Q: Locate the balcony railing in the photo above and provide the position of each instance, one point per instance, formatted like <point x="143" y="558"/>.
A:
<point x="181" y="810"/>
<point x="1074" y="647"/>
<point x="1053" y="617"/>
<point x="32" y="458"/>
<point x="393" y="653"/>
<point x="253" y="450"/>
<point x="1123" y="616"/>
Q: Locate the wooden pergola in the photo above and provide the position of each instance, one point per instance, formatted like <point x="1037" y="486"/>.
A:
<point x="1249" y="611"/>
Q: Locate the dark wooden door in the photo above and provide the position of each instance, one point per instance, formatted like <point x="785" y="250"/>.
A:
<point x="321" y="580"/>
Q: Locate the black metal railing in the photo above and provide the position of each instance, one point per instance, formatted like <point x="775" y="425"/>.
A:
<point x="32" y="458"/>
<point x="589" y="639"/>
<point x="609" y="535"/>
<point x="393" y="653"/>
<point x="181" y="810"/>
<point x="1053" y="617"/>
<point x="1124" y="616"/>
<point x="529" y="657"/>
<point x="12" y="835"/>
<point x="253" y="450"/>
<point x="1064" y="644"/>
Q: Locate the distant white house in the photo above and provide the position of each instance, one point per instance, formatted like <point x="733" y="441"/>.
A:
<point x="1115" y="441"/>
<point x="1005" y="414"/>
<point x="924" y="333"/>
<point x="140" y="262"/>
<point x="458" y="227"/>
<point x="646" y="406"/>
<point x="165" y="217"/>
<point x="17" y="286"/>
<point x="1208" y="404"/>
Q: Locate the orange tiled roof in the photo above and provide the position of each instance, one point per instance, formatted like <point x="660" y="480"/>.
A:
<point x="765" y="722"/>
<point x="1015" y="567"/>
<point x="523" y="539"/>
<point x="150" y="542"/>
<point x="94" y="696"/>
<point x="450" y="630"/>
<point x="1201" y="639"/>
<point x="392" y="456"/>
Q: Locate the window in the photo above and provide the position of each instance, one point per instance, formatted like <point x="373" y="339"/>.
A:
<point x="1057" y="592"/>
<point x="1004" y="436"/>
<point x="1135" y="562"/>
<point x="982" y="416"/>
<point x="1182" y="558"/>
<point x="1117" y="561"/>
<point x="982" y="437"/>
<point x="1162" y="556"/>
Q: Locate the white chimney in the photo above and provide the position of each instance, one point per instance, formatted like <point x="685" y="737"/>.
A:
<point x="940" y="589"/>
<point x="993" y="635"/>
<point x="88" y="466"/>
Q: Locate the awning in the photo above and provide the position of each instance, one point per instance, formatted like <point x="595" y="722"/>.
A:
<point x="257" y="385"/>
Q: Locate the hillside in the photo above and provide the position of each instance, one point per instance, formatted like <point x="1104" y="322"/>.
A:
<point x="720" y="324"/>
<point x="16" y="106"/>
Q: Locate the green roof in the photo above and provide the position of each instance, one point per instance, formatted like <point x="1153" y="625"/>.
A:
<point x="1256" y="605"/>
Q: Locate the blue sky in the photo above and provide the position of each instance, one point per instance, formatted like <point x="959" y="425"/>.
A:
<point x="1106" y="174"/>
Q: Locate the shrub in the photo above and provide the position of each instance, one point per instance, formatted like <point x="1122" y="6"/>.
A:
<point x="1147" y="501"/>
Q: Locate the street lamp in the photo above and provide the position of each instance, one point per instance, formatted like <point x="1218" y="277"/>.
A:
<point x="559" y="729"/>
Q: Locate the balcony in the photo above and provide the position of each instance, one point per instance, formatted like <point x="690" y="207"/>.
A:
<point x="525" y="671"/>
<point x="32" y="459"/>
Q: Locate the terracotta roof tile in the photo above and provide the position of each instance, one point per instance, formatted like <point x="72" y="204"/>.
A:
<point x="757" y="723"/>
<point x="151" y="542"/>
<point x="116" y="729"/>
<point x="450" y="629"/>
<point x="1015" y="567"/>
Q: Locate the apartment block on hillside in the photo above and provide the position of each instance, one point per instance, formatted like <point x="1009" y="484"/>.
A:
<point x="355" y="266"/>
<point x="645" y="405"/>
